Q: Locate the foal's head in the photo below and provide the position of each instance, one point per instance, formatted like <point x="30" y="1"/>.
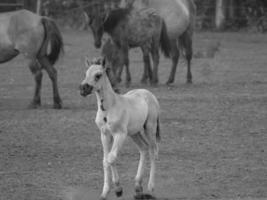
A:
<point x="94" y="78"/>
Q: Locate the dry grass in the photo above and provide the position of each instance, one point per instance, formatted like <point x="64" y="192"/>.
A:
<point x="213" y="132"/>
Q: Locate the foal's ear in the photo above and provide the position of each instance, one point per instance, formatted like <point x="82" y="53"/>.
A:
<point x="99" y="61"/>
<point x="87" y="62"/>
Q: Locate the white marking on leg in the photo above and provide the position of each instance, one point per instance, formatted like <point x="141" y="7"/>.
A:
<point x="115" y="175"/>
<point x="118" y="140"/>
<point x="141" y="145"/>
<point x="151" y="182"/>
<point x="140" y="170"/>
<point x="106" y="187"/>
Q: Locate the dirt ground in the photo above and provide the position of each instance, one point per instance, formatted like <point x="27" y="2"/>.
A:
<point x="214" y="132"/>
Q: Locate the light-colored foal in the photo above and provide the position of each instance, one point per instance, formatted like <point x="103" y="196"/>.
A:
<point x="134" y="114"/>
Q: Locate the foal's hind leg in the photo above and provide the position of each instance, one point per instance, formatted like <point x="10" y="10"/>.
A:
<point x="37" y="72"/>
<point x="52" y="73"/>
<point x="175" y="57"/>
<point x="150" y="132"/>
<point x="142" y="146"/>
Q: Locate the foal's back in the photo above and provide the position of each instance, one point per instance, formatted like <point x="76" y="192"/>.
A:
<point x="141" y="106"/>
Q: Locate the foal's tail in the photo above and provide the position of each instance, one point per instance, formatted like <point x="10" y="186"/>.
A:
<point x="53" y="37"/>
<point x="158" y="138"/>
<point x="164" y="40"/>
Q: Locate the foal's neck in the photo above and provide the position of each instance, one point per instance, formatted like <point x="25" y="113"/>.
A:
<point x="106" y="97"/>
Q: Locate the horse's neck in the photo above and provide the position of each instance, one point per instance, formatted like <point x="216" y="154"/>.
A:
<point x="106" y="97"/>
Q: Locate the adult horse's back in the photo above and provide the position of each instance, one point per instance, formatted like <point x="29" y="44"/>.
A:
<point x="179" y="18"/>
<point x="39" y="40"/>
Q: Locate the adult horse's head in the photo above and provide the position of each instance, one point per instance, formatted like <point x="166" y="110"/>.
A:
<point x="97" y="13"/>
<point x="96" y="25"/>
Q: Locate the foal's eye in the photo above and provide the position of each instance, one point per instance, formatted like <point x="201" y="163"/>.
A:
<point x="97" y="77"/>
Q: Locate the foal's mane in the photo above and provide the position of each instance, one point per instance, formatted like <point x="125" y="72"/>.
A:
<point x="114" y="17"/>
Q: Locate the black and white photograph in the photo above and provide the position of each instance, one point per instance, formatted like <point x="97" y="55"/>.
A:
<point x="133" y="100"/>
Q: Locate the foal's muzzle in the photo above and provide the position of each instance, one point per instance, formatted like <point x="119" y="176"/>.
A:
<point x="98" y="44"/>
<point x="85" y="89"/>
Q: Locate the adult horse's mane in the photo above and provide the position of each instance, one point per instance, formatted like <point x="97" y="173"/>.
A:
<point x="114" y="17"/>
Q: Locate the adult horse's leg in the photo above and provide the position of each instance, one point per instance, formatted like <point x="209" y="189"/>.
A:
<point x="155" y="58"/>
<point x="175" y="57"/>
<point x="147" y="67"/>
<point x="126" y="63"/>
<point x="37" y="72"/>
<point x="187" y="39"/>
<point x="52" y="73"/>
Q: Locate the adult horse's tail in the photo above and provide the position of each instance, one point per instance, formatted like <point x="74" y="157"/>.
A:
<point x="164" y="40"/>
<point x="52" y="37"/>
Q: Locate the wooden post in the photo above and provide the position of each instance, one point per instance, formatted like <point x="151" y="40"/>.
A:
<point x="220" y="14"/>
<point x="38" y="7"/>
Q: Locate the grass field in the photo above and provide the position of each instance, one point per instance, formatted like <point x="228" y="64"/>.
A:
<point x="214" y="132"/>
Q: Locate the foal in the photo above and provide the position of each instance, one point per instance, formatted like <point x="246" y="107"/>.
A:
<point x="134" y="114"/>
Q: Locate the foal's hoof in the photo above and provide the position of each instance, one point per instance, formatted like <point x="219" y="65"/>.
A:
<point x="119" y="191"/>
<point x="138" y="189"/>
<point x="143" y="196"/>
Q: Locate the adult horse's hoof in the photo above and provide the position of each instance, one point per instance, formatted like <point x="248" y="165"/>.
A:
<point x="57" y="105"/>
<point x="144" y="197"/>
<point x="170" y="81"/>
<point x="143" y="81"/>
<point x="119" y="191"/>
<point x="154" y="82"/>
<point x="127" y="84"/>
<point x="189" y="81"/>
<point x="117" y="90"/>
<point x="34" y="105"/>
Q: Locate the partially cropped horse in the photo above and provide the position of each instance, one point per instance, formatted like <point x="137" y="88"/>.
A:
<point x="179" y="16"/>
<point x="130" y="28"/>
<point x="134" y="114"/>
<point x="39" y="40"/>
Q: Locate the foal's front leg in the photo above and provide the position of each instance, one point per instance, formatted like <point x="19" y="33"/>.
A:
<point x="118" y="140"/>
<point x="106" y="140"/>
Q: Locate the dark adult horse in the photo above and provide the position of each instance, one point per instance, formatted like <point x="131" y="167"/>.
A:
<point x="130" y="28"/>
<point x="39" y="40"/>
<point x="179" y="17"/>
